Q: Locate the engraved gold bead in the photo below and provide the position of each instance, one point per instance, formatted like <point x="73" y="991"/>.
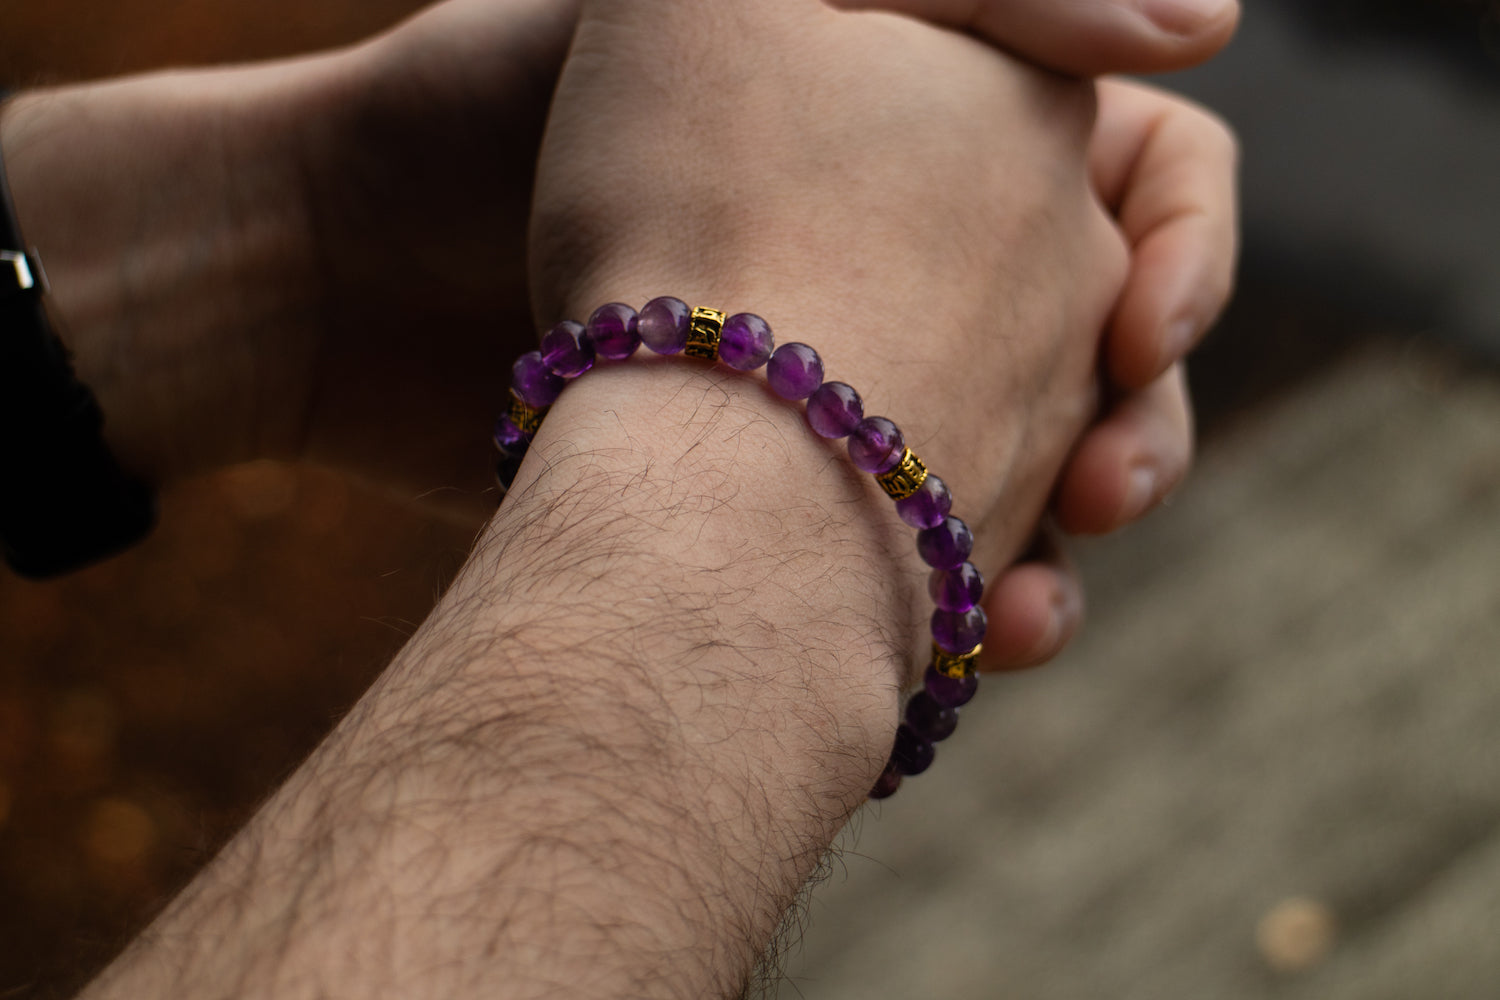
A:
<point x="705" y="327"/>
<point x="955" y="665"/>
<point x="526" y="416"/>
<point x="905" y="479"/>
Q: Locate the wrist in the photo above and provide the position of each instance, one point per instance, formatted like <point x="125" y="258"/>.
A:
<point x="167" y="217"/>
<point x="699" y="609"/>
<point x="690" y="502"/>
<point x="622" y="741"/>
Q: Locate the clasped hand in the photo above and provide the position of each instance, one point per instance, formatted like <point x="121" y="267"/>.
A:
<point x="961" y="233"/>
<point x="970" y="239"/>
<point x="614" y="752"/>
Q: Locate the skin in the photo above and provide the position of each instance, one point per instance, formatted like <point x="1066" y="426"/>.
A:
<point x="611" y="757"/>
<point x="1084" y="37"/>
<point x="670" y="670"/>
<point x="769" y="190"/>
<point x="310" y="179"/>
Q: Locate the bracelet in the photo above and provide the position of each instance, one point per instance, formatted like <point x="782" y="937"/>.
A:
<point x="66" y="501"/>
<point x="833" y="410"/>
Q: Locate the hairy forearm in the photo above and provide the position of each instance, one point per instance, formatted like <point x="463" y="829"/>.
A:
<point x="168" y="213"/>
<point x="609" y="760"/>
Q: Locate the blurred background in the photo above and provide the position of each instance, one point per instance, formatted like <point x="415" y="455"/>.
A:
<point x="1269" y="768"/>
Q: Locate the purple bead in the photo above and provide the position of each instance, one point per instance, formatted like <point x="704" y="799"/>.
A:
<point x="795" y="371"/>
<point x="930" y="719"/>
<point x="745" y="342"/>
<point x="612" y="328"/>
<point x="956" y="589"/>
<point x="567" y="349"/>
<point x="959" y="631"/>
<point x="887" y="783"/>
<point x="927" y="507"/>
<point x="876" y="445"/>
<point x="913" y="752"/>
<point x="534" y="382"/>
<point x="663" y="324"/>
<point x="509" y="438"/>
<point x="947" y="545"/>
<point x="834" y="410"/>
<point x="950" y="692"/>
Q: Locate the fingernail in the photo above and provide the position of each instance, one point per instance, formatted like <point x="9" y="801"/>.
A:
<point x="1185" y="17"/>
<point x="1046" y="646"/>
<point x="1140" y="495"/>
<point x="1065" y="612"/>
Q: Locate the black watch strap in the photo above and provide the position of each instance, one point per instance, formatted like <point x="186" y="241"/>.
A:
<point x="64" y="500"/>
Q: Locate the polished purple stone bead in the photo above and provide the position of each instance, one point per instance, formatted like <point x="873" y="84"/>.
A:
<point x="887" y="783"/>
<point x="947" y="545"/>
<point x="834" y="410"/>
<point x="950" y="692"/>
<point x="927" y="507"/>
<point x="795" y="371"/>
<point x="913" y="752"/>
<point x="959" y="631"/>
<point x="567" y="349"/>
<point x="929" y="718"/>
<point x="663" y="324"/>
<point x="509" y="438"/>
<point x="534" y="382"/>
<point x="613" y="330"/>
<point x="876" y="445"/>
<point x="745" y="342"/>
<point x="956" y="589"/>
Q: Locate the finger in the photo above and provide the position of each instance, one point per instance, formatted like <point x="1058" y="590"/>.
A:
<point x="1034" y="608"/>
<point x="1085" y="37"/>
<point x="1168" y="169"/>
<point x="1125" y="464"/>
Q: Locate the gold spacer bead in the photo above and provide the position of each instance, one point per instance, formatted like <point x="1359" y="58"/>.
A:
<point x="905" y="479"/>
<point x="704" y="329"/>
<point x="526" y="416"/>
<point x="955" y="665"/>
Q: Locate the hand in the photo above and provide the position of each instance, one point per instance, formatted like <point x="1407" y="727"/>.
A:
<point x="372" y="260"/>
<point x="921" y="211"/>
<point x="1166" y="169"/>
<point x="1177" y="208"/>
<point x="1142" y="441"/>
<point x="1142" y="445"/>
<point x="1085" y="37"/>
<point x="1123" y="465"/>
<point x="455" y="202"/>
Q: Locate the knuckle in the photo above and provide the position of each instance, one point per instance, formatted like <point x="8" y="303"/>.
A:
<point x="1217" y="134"/>
<point x="1218" y="286"/>
<point x="1069" y="107"/>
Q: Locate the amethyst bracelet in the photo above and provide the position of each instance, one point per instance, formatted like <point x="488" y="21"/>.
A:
<point x="834" y="410"/>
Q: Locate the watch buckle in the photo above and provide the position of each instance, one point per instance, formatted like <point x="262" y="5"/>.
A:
<point x="21" y="272"/>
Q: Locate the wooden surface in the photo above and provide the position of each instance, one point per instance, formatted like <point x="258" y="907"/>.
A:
<point x="1289" y="690"/>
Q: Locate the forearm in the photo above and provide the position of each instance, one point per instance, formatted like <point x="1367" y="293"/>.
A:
<point x="257" y="261"/>
<point x="169" y="216"/>
<point x="612" y="756"/>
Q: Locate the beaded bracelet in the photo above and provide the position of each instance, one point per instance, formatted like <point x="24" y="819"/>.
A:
<point x="834" y="410"/>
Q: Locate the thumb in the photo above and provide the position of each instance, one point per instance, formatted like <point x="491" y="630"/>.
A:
<point x="1085" y="37"/>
